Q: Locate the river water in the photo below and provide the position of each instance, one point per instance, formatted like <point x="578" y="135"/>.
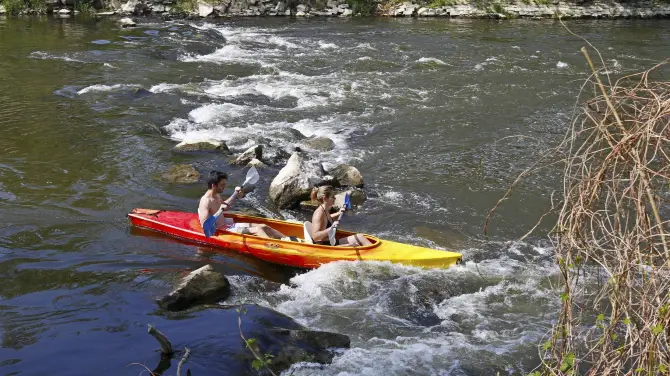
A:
<point x="438" y="115"/>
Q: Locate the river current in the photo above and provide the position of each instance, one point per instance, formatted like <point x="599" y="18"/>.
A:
<point x="438" y="115"/>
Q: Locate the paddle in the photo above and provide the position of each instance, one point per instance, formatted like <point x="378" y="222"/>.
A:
<point x="209" y="226"/>
<point x="333" y="230"/>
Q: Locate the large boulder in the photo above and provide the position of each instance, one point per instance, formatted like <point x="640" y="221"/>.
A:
<point x="181" y="174"/>
<point x="201" y="286"/>
<point x="204" y="9"/>
<point x="347" y="176"/>
<point x="254" y="152"/>
<point x="202" y="146"/>
<point x="295" y="181"/>
<point x="2" y="9"/>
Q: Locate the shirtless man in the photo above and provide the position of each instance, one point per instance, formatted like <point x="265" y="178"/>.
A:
<point x="211" y="201"/>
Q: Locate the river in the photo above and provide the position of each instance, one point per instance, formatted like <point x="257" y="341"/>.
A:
<point x="438" y="115"/>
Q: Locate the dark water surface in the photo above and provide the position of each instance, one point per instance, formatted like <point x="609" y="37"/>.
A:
<point x="438" y="115"/>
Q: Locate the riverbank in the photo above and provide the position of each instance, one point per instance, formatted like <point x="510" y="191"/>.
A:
<point x="534" y="9"/>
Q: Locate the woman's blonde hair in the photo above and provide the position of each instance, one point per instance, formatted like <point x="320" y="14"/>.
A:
<point x="319" y="193"/>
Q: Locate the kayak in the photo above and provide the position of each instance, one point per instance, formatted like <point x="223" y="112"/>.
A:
<point x="296" y="252"/>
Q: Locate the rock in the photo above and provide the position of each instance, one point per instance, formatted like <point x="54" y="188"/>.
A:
<point x="254" y="152"/>
<point x="347" y="176"/>
<point x="204" y="9"/>
<point x="129" y="7"/>
<point x="276" y="156"/>
<point x="319" y="143"/>
<point x="181" y="174"/>
<point x="301" y="8"/>
<point x="356" y="198"/>
<point x="326" y="340"/>
<point x="2" y="9"/>
<point x="300" y="14"/>
<point x="256" y="163"/>
<point x="201" y="286"/>
<point x="296" y="134"/>
<point x="310" y="206"/>
<point x="127" y="22"/>
<point x="347" y="13"/>
<point x="105" y="14"/>
<point x="280" y="7"/>
<point x="305" y="346"/>
<point x="142" y="92"/>
<point x="295" y="181"/>
<point x="64" y="11"/>
<point x="202" y="146"/>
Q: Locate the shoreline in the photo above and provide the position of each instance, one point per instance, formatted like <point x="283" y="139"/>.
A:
<point x="459" y="9"/>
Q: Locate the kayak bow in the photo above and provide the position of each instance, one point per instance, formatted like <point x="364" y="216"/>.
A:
<point x="292" y="253"/>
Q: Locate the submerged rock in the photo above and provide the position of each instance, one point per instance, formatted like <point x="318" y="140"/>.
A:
<point x="319" y="143"/>
<point x="295" y="181"/>
<point x="305" y="346"/>
<point x="181" y="174"/>
<point x="141" y="93"/>
<point x="202" y="146"/>
<point x="201" y="286"/>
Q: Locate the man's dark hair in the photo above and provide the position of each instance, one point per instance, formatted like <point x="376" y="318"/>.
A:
<point x="215" y="177"/>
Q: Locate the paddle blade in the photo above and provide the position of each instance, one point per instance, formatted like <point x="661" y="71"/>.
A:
<point x="331" y="235"/>
<point x="347" y="202"/>
<point x="252" y="176"/>
<point x="209" y="226"/>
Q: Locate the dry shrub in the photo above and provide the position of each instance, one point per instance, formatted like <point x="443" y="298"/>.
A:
<point x="611" y="238"/>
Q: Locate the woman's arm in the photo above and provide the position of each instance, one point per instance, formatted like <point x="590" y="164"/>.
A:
<point x="336" y="216"/>
<point x="318" y="233"/>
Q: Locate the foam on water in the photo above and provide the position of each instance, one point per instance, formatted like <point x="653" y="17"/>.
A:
<point x="309" y="91"/>
<point x="324" y="45"/>
<point x="404" y="320"/>
<point x="431" y="60"/>
<point x="47" y="56"/>
<point x="103" y="88"/>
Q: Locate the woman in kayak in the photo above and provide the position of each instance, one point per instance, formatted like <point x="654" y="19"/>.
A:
<point x="322" y="220"/>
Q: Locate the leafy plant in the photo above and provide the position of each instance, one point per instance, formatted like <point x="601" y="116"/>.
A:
<point x="362" y="7"/>
<point x="14" y="6"/>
